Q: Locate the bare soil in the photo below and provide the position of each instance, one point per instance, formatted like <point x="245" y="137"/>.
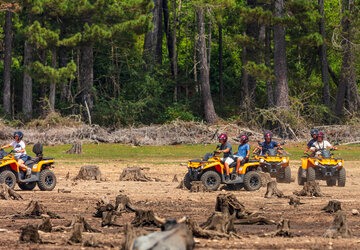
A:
<point x="308" y="222"/>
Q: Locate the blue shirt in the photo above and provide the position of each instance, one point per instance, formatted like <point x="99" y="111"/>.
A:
<point x="226" y="146"/>
<point x="265" y="146"/>
<point x="311" y="142"/>
<point x="242" y="150"/>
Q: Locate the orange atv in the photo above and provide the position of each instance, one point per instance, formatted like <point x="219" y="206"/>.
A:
<point x="210" y="170"/>
<point x="11" y="173"/>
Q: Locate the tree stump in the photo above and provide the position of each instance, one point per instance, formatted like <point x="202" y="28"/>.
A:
<point x="265" y="178"/>
<point x="144" y="218"/>
<point x="46" y="225"/>
<point x="133" y="174"/>
<point x="273" y="190"/>
<point x="29" y="233"/>
<point x="198" y="232"/>
<point x="181" y="185"/>
<point x="35" y="210"/>
<point x="7" y="193"/>
<point x="339" y="227"/>
<point x="295" y="201"/>
<point x="332" y="207"/>
<point x="175" y="179"/>
<point x="123" y="204"/>
<point x="228" y="204"/>
<point x="75" y="149"/>
<point x="197" y="186"/>
<point x="76" y="233"/>
<point x="283" y="229"/>
<point x="310" y="189"/>
<point x="102" y="207"/>
<point x="220" y="222"/>
<point x="109" y="218"/>
<point x="130" y="234"/>
<point x="85" y="226"/>
<point x="89" y="172"/>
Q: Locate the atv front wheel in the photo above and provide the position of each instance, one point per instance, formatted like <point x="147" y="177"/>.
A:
<point x="331" y="182"/>
<point x="8" y="178"/>
<point x="211" y="180"/>
<point x="342" y="177"/>
<point x="187" y="181"/>
<point x="47" y="180"/>
<point x="311" y="175"/>
<point x="252" y="181"/>
<point x="27" y="186"/>
<point x="301" y="180"/>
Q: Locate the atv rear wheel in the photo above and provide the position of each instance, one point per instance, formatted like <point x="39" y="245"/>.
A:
<point x="342" y="177"/>
<point x="47" y="180"/>
<point x="187" y="181"/>
<point x="8" y="178"/>
<point x="311" y="175"/>
<point x="27" y="186"/>
<point x="211" y="180"/>
<point x="331" y="182"/>
<point x="252" y="181"/>
<point x="301" y="180"/>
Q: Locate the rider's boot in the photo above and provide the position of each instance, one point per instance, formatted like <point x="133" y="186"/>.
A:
<point x="28" y="172"/>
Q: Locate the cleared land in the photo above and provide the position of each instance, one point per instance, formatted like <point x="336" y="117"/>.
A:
<point x="308" y="221"/>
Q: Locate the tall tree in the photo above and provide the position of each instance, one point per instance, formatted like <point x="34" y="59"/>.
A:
<point x="27" y="107"/>
<point x="7" y="61"/>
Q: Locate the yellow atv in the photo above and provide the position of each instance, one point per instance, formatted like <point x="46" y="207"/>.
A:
<point x="274" y="162"/>
<point x="322" y="167"/>
<point x="11" y="173"/>
<point x="210" y="170"/>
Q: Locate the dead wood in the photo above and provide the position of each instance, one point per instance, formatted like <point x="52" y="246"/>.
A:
<point x="133" y="174"/>
<point x="273" y="190"/>
<point x="339" y="228"/>
<point x="220" y="222"/>
<point x="76" y="233"/>
<point x="310" y="189"/>
<point x="175" y="179"/>
<point x="46" y="225"/>
<point x="259" y="220"/>
<point x="198" y="187"/>
<point x="123" y="204"/>
<point x="89" y="172"/>
<point x="283" y="229"/>
<point x="29" y="233"/>
<point x="295" y="201"/>
<point x="67" y="177"/>
<point x="198" y="232"/>
<point x="102" y="207"/>
<point x="144" y="218"/>
<point x="109" y="218"/>
<point x="35" y="210"/>
<point x="228" y="204"/>
<point x="6" y="193"/>
<point x="85" y="226"/>
<point x="332" y="207"/>
<point x="265" y="178"/>
<point x="181" y="185"/>
<point x="75" y="149"/>
<point x="131" y="233"/>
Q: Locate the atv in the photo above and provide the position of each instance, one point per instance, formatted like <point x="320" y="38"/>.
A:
<point x="274" y="162"/>
<point x="210" y="170"/>
<point x="322" y="167"/>
<point x="11" y="173"/>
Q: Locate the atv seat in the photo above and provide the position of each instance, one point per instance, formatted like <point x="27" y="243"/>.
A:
<point x="38" y="150"/>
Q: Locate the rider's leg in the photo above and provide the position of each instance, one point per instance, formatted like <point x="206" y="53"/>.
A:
<point x="238" y="162"/>
<point x="24" y="167"/>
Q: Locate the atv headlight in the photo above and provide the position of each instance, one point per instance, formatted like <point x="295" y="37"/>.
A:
<point x="340" y="164"/>
<point x="262" y="160"/>
<point x="284" y="160"/>
<point x="316" y="163"/>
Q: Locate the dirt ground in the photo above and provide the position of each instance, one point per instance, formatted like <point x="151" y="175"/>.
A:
<point x="308" y="221"/>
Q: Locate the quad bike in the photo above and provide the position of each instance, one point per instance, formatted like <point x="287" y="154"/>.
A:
<point x="275" y="163"/>
<point x="210" y="170"/>
<point x="322" y="167"/>
<point x="11" y="173"/>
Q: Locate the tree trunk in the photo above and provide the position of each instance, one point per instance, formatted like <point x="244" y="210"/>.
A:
<point x="280" y="64"/>
<point x="174" y="58"/>
<point x="27" y="84"/>
<point x="209" y="110"/>
<point x="53" y="84"/>
<point x="7" y="62"/>
<point x="245" y="100"/>
<point x="87" y="75"/>
<point x="63" y="61"/>
<point x="153" y="39"/>
<point x="269" y="83"/>
<point x="221" y="83"/>
<point x="168" y="33"/>
<point x="323" y="57"/>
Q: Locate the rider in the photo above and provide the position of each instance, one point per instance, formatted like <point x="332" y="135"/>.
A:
<point x="243" y="151"/>
<point x="226" y="148"/>
<point x="313" y="134"/>
<point x="321" y="144"/>
<point x="267" y="144"/>
<point x="20" y="152"/>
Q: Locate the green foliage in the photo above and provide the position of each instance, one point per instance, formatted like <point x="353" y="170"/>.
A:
<point x="46" y="74"/>
<point x="178" y="112"/>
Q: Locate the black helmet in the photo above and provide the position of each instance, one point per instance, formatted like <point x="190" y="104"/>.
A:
<point x="18" y="133"/>
<point x="314" y="131"/>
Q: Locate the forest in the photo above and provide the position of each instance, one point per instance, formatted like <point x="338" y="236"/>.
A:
<point x="121" y="63"/>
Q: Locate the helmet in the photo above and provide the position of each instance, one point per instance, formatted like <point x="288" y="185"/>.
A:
<point x="223" y="137"/>
<point x="320" y="134"/>
<point x="314" y="131"/>
<point x="18" y="133"/>
<point x="267" y="134"/>
<point x="244" y="138"/>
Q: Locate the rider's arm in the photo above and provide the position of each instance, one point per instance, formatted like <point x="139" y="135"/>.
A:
<point x="225" y="150"/>
<point x="247" y="153"/>
<point x="256" y="149"/>
<point x="6" y="146"/>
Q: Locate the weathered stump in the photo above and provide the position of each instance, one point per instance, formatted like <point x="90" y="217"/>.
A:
<point x="175" y="179"/>
<point x="144" y="218"/>
<point x="198" y="232"/>
<point x="76" y="233"/>
<point x="273" y="190"/>
<point x="85" y="226"/>
<point x="310" y="189"/>
<point x="220" y="222"/>
<point x="133" y="174"/>
<point x="295" y="201"/>
<point x="67" y="177"/>
<point x="339" y="227"/>
<point x="75" y="149"/>
<point x="228" y="204"/>
<point x="102" y="207"/>
<point x="109" y="219"/>
<point x="35" y="210"/>
<point x="46" y="225"/>
<point x="123" y="204"/>
<point x="29" y="233"/>
<point x="89" y="172"/>
<point x="283" y="229"/>
<point x="181" y="185"/>
<point x="197" y="187"/>
<point x="6" y="193"/>
<point x="131" y="234"/>
<point x="265" y="178"/>
<point x="332" y="207"/>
